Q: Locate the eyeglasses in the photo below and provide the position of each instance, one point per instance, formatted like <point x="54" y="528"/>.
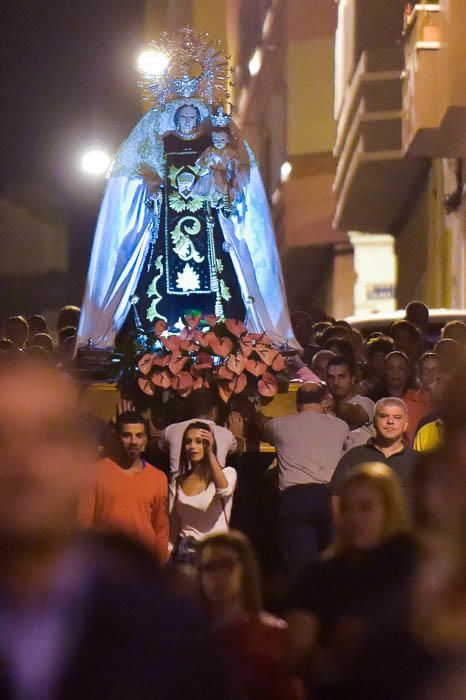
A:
<point x="225" y="565"/>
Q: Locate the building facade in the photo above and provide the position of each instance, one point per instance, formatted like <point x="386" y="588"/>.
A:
<point x="400" y="106"/>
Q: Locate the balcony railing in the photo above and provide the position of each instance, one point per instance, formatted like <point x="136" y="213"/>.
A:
<point x="373" y="178"/>
<point x="434" y="92"/>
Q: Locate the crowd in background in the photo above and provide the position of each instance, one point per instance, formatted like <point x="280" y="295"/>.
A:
<point x="128" y="569"/>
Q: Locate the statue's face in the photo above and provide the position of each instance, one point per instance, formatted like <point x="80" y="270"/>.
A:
<point x="219" y="139"/>
<point x="187" y="120"/>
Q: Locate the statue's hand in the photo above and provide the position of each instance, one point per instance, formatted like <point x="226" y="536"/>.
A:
<point x="152" y="179"/>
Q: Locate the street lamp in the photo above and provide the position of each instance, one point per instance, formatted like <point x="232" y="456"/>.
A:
<point x="151" y="62"/>
<point x="95" y="162"/>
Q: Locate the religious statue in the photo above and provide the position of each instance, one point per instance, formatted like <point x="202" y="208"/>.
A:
<point x="184" y="225"/>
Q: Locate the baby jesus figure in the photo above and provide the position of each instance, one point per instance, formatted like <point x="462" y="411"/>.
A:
<point x="218" y="168"/>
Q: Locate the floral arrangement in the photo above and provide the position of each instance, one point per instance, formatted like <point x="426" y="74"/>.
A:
<point x="210" y="352"/>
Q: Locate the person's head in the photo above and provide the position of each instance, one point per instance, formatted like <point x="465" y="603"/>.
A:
<point x="455" y="330"/>
<point x="372" y="508"/>
<point x="428" y="369"/>
<point x="406" y="337"/>
<point x="320" y="362"/>
<point x="451" y="354"/>
<point x="203" y="403"/>
<point x="341" y="347"/>
<point x="332" y="332"/>
<point x="45" y="455"/>
<point x="37" y="324"/>
<point x="390" y="420"/>
<point x="16" y="329"/>
<point x="357" y="342"/>
<point x="302" y="325"/>
<point x="68" y="316"/>
<point x="193" y="447"/>
<point x="341" y="377"/>
<point x="42" y="340"/>
<point x="376" y="351"/>
<point x="229" y="573"/>
<point x="187" y="119"/>
<point x="131" y="430"/>
<point x="397" y="368"/>
<point x="220" y="138"/>
<point x="417" y="313"/>
<point x="311" y="396"/>
<point x="317" y="329"/>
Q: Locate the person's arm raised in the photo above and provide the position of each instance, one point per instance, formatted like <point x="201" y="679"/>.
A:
<point x="218" y="476"/>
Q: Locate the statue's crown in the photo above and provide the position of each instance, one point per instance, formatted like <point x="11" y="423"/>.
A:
<point x="184" y="51"/>
<point x="220" y="117"/>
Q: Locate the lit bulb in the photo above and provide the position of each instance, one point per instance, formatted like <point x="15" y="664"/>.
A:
<point x="95" y="162"/>
<point x="152" y="62"/>
<point x="285" y="171"/>
<point x="255" y="62"/>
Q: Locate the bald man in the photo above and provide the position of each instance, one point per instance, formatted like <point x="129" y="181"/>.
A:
<point x="309" y="444"/>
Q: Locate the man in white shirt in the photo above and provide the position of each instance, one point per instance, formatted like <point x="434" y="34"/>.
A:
<point x="309" y="445"/>
<point x="203" y="407"/>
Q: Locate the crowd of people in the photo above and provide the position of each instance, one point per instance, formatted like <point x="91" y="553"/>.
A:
<point x="128" y="573"/>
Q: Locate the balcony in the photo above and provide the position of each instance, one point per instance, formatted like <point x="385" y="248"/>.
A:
<point x="434" y="93"/>
<point x="374" y="178"/>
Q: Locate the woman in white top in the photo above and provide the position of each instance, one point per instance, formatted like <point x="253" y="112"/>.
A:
<point x="201" y="497"/>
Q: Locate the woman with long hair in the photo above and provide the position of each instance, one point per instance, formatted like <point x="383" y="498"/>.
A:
<point x="201" y="497"/>
<point x="341" y="599"/>
<point x="253" y="641"/>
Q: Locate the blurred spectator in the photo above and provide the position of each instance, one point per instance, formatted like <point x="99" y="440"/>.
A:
<point x="320" y="362"/>
<point x="418" y="401"/>
<point x="42" y="340"/>
<point x="68" y="316"/>
<point x="452" y="354"/>
<point x="407" y="339"/>
<point x="201" y="496"/>
<point x="417" y="313"/>
<point x="16" y="329"/>
<point x="339" y="601"/>
<point x="396" y="377"/>
<point x="65" y="346"/>
<point x="341" y="347"/>
<point x="130" y="495"/>
<point x="203" y="405"/>
<point x="309" y="445"/>
<point x="254" y="641"/>
<point x="455" y="330"/>
<point x="351" y="407"/>
<point x="76" y="620"/>
<point x="357" y="341"/>
<point x="430" y="429"/>
<point x="37" y="324"/>
<point x="302" y="325"/>
<point x="317" y="330"/>
<point x="333" y="332"/>
<point x="376" y="351"/>
<point x="388" y="446"/>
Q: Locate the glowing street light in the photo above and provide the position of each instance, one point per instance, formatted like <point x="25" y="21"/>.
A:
<point x="255" y="62"/>
<point x="285" y="171"/>
<point x="95" y="162"/>
<point x="152" y="62"/>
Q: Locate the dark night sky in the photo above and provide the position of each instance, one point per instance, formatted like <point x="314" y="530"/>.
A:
<point x="68" y="79"/>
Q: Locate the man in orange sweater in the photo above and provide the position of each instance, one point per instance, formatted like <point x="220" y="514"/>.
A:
<point x="129" y="495"/>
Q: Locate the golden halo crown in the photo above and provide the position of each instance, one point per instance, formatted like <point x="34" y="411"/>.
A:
<point x="194" y="67"/>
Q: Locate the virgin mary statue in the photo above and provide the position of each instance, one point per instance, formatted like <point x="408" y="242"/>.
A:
<point x="184" y="226"/>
